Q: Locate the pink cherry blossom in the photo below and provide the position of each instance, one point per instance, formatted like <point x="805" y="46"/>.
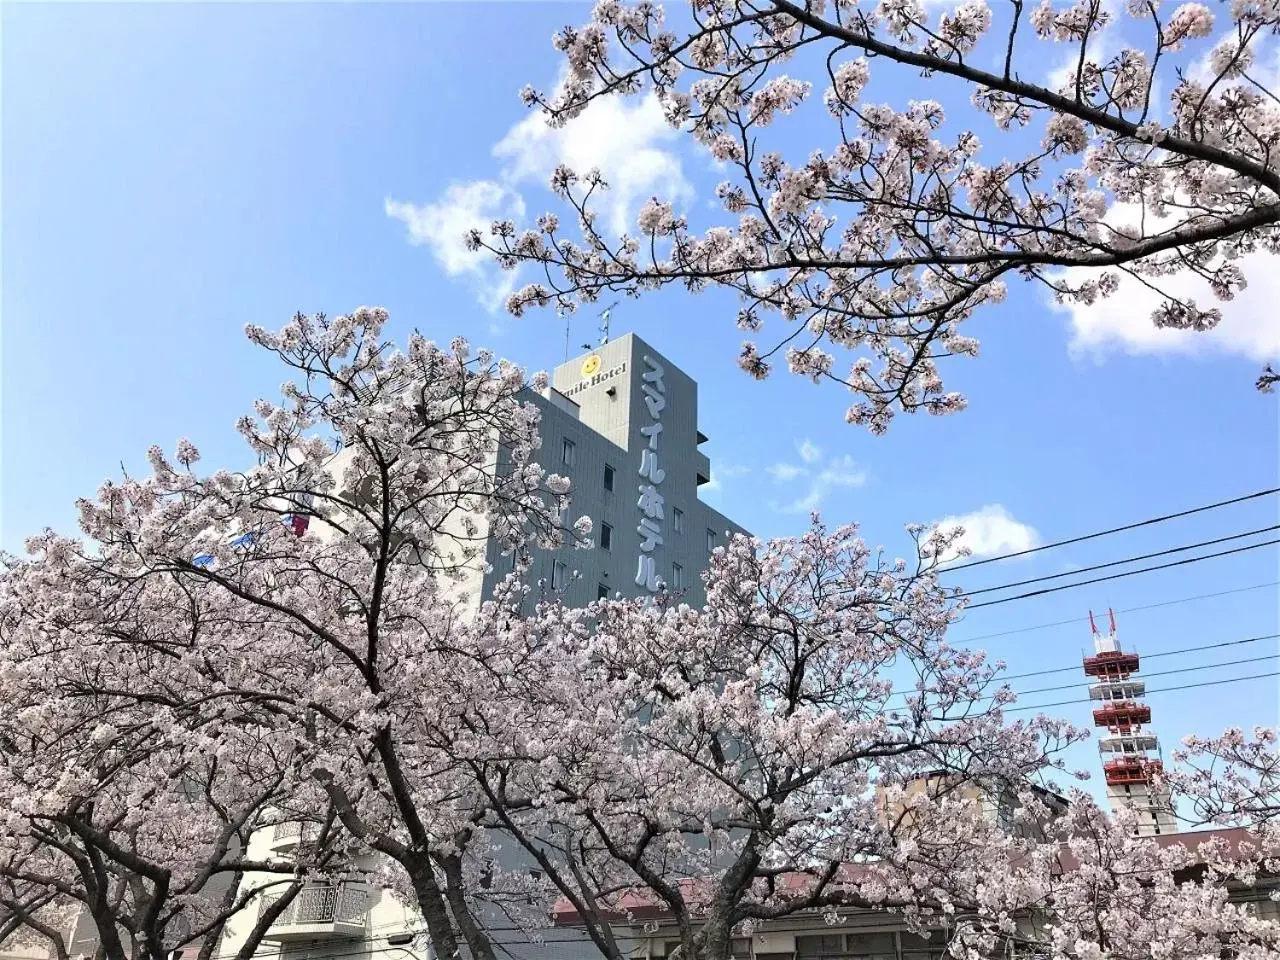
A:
<point x="886" y="234"/>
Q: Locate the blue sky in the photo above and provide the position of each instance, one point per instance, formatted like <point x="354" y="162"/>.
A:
<point x="173" y="172"/>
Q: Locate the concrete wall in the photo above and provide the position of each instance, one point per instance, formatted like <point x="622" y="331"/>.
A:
<point x="1154" y="808"/>
<point x="611" y="412"/>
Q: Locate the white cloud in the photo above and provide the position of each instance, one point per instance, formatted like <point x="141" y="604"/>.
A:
<point x="1123" y="321"/>
<point x="817" y="480"/>
<point x="809" y="451"/>
<point x="440" y="226"/>
<point x="990" y="531"/>
<point x="1103" y="45"/>
<point x="782" y="472"/>
<point x="628" y="141"/>
<point x="1265" y="69"/>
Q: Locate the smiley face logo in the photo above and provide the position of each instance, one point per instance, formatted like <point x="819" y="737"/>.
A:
<point x="591" y="366"/>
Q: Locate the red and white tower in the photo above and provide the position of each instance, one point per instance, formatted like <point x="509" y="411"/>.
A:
<point x="1131" y="757"/>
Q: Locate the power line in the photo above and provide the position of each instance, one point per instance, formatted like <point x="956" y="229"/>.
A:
<point x="1128" y="573"/>
<point x="1148" y="606"/>
<point x="1150" y="656"/>
<point x="1105" y="533"/>
<point x="1159" y="673"/>
<point x="1145" y="657"/>
<point x="1185" y="686"/>
<point x="1117" y="563"/>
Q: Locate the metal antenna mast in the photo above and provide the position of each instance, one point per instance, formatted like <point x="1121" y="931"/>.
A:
<point x="604" y="322"/>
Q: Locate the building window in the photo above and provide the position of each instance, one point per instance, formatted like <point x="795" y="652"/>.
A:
<point x="602" y="591"/>
<point x="873" y="946"/>
<point x="677" y="576"/>
<point x="559" y="574"/>
<point x="677" y="520"/>
<point x="820" y="945"/>
<point x="606" y="537"/>
<point x="566" y="452"/>
<point x="608" y="477"/>
<point x="915" y="947"/>
<point x="711" y="540"/>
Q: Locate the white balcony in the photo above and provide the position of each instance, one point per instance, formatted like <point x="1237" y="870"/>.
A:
<point x="286" y="836"/>
<point x="1118" y="690"/>
<point x="321" y="912"/>
<point x="1133" y="744"/>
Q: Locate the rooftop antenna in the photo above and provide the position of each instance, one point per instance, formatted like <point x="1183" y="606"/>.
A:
<point x="566" y="336"/>
<point x="1093" y="627"/>
<point x="604" y="322"/>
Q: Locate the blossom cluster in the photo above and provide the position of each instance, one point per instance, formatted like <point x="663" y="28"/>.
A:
<point x="885" y="236"/>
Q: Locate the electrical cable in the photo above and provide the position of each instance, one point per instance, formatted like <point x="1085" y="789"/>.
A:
<point x="1104" y="533"/>
<point x="1117" y="563"/>
<point x="1185" y="686"/>
<point x="1128" y="573"/>
<point x="1149" y="606"/>
<point x="1157" y="673"/>
<point x="1145" y="657"/>
<point x="1150" y="656"/>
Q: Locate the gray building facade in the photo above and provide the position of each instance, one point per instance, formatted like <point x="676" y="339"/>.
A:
<point x="622" y="423"/>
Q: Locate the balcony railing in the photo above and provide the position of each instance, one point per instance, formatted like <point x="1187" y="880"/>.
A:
<point x="1122" y="715"/>
<point x="1112" y="664"/>
<point x="320" y="910"/>
<point x="286" y="836"/>
<point x="1133" y="770"/>
<point x="287" y="831"/>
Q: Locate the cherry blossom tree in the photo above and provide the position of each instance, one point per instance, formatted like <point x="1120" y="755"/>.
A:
<point x="1148" y="155"/>
<point x="1098" y="890"/>
<point x="325" y="591"/>
<point x="755" y="758"/>
<point x="302" y="640"/>
<point x="132" y="772"/>
<point x="1232" y="778"/>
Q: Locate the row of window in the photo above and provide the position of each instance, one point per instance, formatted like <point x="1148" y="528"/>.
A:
<point x="568" y="453"/>
<point x="560" y="579"/>
<point x="560" y="569"/>
<point x="677" y="519"/>
<point x="870" y="946"/>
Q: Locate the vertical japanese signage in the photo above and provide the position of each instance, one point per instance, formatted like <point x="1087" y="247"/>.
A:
<point x="651" y="502"/>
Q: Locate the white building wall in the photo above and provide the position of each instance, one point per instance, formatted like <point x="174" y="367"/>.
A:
<point x="1154" y="808"/>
